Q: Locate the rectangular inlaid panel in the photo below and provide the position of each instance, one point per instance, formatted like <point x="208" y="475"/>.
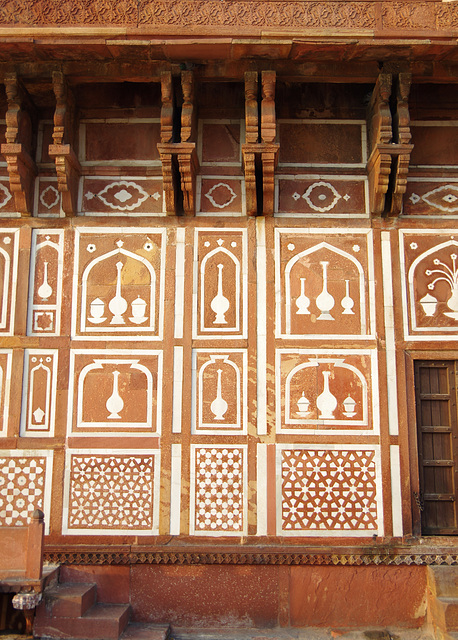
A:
<point x="218" y="490"/>
<point x="118" y="284"/>
<point x="111" y="492"/>
<point x="326" y="195"/>
<point x="9" y="250"/>
<point x="220" y="195"/>
<point x="130" y="196"/>
<point x="6" y="356"/>
<point x="324" y="283"/>
<point x="220" y="283"/>
<point x="322" y="142"/>
<point x="25" y="485"/>
<point x="39" y="392"/>
<point x="431" y="197"/>
<point x="7" y="206"/>
<point x="219" y="391"/>
<point x="45" y="282"/>
<point x="319" y="391"/>
<point x="48" y="198"/>
<point x="329" y="490"/>
<point x="429" y="267"/>
<point x="114" y="392"/>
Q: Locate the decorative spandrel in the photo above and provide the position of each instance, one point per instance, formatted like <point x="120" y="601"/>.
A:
<point x="329" y="490"/>
<point x="119" y="284"/>
<point x="430" y="270"/>
<point x="220" y="283"/>
<point x="115" y="392"/>
<point x="220" y="391"/>
<point x="327" y="390"/>
<point x="111" y="492"/>
<point x="39" y="392"/>
<point x="324" y="284"/>
<point x="6" y="356"/>
<point x="9" y="248"/>
<point x="218" y="494"/>
<point x="45" y="290"/>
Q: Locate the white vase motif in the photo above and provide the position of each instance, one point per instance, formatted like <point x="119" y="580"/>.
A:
<point x="347" y="301"/>
<point x="302" y="302"/>
<point x="138" y="311"/>
<point x="325" y="301"/>
<point x="115" y="403"/>
<point x="220" y="304"/>
<point x="303" y="405"/>
<point x="326" y="401"/>
<point x="97" y="308"/>
<point x="429" y="304"/>
<point x="219" y="406"/>
<point x="45" y="290"/>
<point x="118" y="304"/>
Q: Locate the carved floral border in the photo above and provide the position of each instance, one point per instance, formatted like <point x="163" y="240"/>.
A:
<point x="195" y="558"/>
<point x="231" y="13"/>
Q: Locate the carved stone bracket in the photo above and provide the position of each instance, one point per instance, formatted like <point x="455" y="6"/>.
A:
<point x="167" y="107"/>
<point x="269" y="156"/>
<point x="17" y="150"/>
<point x="188" y="166"/>
<point x="389" y="138"/>
<point x="179" y="168"/>
<point x="68" y="168"/>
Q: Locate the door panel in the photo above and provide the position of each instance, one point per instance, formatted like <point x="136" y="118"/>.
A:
<point x="435" y="388"/>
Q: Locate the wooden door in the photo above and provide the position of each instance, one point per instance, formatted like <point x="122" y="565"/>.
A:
<point x="435" y="387"/>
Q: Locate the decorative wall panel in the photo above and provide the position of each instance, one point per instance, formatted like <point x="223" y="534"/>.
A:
<point x="221" y="196"/>
<point x="324" y="284"/>
<point x="131" y="196"/>
<point x="119" y="283"/>
<point x="220" y="391"/>
<point x="39" y="392"/>
<point x="45" y="287"/>
<point x="219" y="143"/>
<point x="47" y="198"/>
<point x="220" y="283"/>
<point x="7" y="206"/>
<point x="328" y="195"/>
<point x="113" y="392"/>
<point x="111" y="492"/>
<point x="327" y="390"/>
<point x="218" y="494"/>
<point x="430" y="284"/>
<point x="431" y="196"/>
<point x="25" y="485"/>
<point x="6" y="356"/>
<point x="329" y="490"/>
<point x="9" y="249"/>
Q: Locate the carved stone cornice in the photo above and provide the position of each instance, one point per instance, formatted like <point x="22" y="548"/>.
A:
<point x="248" y="558"/>
<point x="406" y="15"/>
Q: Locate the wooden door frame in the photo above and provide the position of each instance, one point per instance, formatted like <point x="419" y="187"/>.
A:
<point x="412" y="355"/>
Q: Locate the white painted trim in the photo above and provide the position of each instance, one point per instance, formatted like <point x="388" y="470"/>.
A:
<point x="179" y="281"/>
<point x="5" y="389"/>
<point x="261" y="488"/>
<point x="390" y="338"/>
<point x="261" y="326"/>
<point x="177" y="389"/>
<point x="175" y="491"/>
<point x="396" y="495"/>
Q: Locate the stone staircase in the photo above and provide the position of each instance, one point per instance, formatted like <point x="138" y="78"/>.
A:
<point x="443" y="601"/>
<point x="71" y="611"/>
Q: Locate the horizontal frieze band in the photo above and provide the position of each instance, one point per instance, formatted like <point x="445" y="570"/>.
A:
<point x="237" y="558"/>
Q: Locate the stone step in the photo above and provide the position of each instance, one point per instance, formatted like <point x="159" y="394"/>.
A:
<point x="140" y="631"/>
<point x="101" y="622"/>
<point x="69" y="600"/>
<point x="446" y="581"/>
